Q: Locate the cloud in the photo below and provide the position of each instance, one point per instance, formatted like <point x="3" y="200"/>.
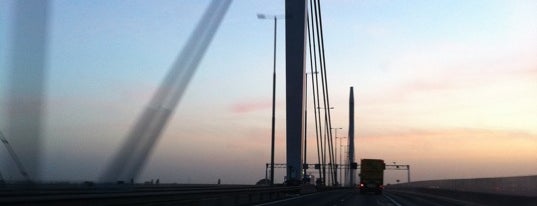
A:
<point x="246" y="107"/>
<point x="454" y="68"/>
<point x="407" y="132"/>
<point x="452" y="152"/>
<point x="488" y="145"/>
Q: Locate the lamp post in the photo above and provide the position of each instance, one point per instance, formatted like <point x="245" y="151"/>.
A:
<point x="275" y="17"/>
<point x="306" y="121"/>
<point x="341" y="158"/>
<point x="335" y="131"/>
<point x="306" y="109"/>
<point x="325" y="147"/>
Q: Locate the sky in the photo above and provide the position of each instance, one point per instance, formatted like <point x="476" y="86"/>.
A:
<point x="448" y="87"/>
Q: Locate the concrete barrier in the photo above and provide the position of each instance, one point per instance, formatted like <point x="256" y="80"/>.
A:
<point x="519" y="186"/>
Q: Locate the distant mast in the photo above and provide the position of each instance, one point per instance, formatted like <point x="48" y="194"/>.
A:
<point x="352" y="172"/>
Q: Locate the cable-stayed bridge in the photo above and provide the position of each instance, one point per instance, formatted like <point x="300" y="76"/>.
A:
<point x="304" y="41"/>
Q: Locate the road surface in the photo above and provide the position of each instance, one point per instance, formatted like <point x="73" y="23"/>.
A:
<point x="333" y="198"/>
<point x="389" y="198"/>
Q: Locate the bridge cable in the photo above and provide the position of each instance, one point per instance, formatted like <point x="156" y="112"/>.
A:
<point x="325" y="87"/>
<point x="313" y="90"/>
<point x="324" y="138"/>
<point x="320" y="141"/>
<point x="327" y="139"/>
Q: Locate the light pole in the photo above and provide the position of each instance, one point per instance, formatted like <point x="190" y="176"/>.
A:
<point x="275" y="17"/>
<point x="306" y="120"/>
<point x="340" y="158"/>
<point x="335" y="130"/>
<point x="324" y="148"/>
<point x="408" y="173"/>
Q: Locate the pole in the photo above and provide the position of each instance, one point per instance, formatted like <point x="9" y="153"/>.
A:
<point x="266" y="171"/>
<point x="341" y="158"/>
<point x="273" y="107"/>
<point x="340" y="161"/>
<point x="338" y="181"/>
<point x="305" y="122"/>
<point x="337" y="165"/>
<point x="408" y="172"/>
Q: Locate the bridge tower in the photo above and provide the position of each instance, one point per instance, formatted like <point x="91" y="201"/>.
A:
<point x="295" y="33"/>
<point x="352" y="171"/>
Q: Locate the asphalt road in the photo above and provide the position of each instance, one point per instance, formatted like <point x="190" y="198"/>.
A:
<point x="244" y="195"/>
<point x="401" y="198"/>
<point x="352" y="197"/>
<point x="335" y="198"/>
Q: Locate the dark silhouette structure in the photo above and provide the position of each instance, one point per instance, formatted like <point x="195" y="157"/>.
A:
<point x="352" y="171"/>
<point x="295" y="33"/>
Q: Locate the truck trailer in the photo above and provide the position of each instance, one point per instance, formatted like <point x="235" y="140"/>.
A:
<point x="372" y="176"/>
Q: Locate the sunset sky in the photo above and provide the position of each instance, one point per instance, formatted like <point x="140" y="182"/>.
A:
<point x="449" y="87"/>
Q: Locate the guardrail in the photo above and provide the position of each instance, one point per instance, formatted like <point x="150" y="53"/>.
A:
<point x="520" y="186"/>
<point x="111" y="195"/>
<point x="465" y="198"/>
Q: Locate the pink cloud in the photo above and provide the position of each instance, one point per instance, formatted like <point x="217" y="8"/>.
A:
<point x="448" y="82"/>
<point x="250" y="106"/>
<point x="530" y="72"/>
<point x="454" y="133"/>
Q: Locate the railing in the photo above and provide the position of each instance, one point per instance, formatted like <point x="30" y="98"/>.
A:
<point x="521" y="186"/>
<point x="141" y="195"/>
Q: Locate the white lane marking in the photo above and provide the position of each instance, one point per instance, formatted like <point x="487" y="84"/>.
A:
<point x="391" y="199"/>
<point x="278" y="201"/>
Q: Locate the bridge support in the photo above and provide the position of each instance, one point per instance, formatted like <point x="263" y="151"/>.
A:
<point x="352" y="171"/>
<point x="295" y="33"/>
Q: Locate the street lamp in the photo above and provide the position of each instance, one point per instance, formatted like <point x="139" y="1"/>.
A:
<point x="335" y="129"/>
<point x="325" y="108"/>
<point x="340" y="157"/>
<point x="306" y="123"/>
<point x="275" y="17"/>
<point x="306" y="120"/>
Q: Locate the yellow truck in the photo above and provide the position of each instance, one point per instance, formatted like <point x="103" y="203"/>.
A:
<point x="372" y="176"/>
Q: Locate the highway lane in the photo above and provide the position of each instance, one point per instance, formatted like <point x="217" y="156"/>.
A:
<point x="413" y="199"/>
<point x="352" y="197"/>
<point x="335" y="198"/>
<point x="246" y="195"/>
<point x="389" y="198"/>
<point x="424" y="196"/>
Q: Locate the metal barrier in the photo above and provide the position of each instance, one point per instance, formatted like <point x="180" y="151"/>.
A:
<point x="520" y="186"/>
<point x="101" y="195"/>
